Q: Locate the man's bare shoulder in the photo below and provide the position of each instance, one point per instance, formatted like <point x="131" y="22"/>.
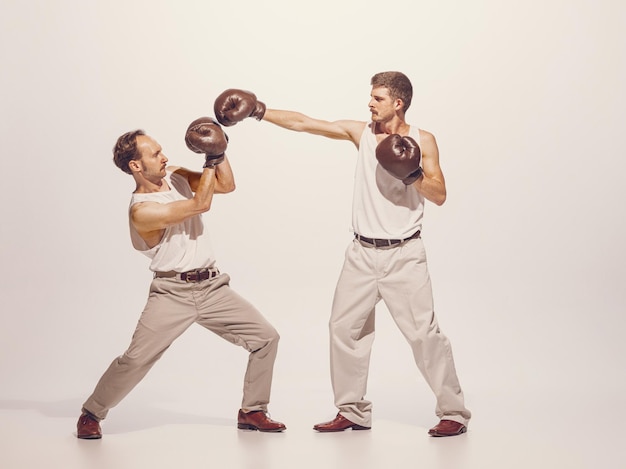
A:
<point x="139" y="206"/>
<point x="353" y="128"/>
<point x="426" y="136"/>
<point x="352" y="125"/>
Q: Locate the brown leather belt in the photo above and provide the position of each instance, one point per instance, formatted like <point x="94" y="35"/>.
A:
<point x="197" y="275"/>
<point x="379" y="243"/>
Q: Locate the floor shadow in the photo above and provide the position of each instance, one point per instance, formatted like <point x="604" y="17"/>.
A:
<point x="138" y="417"/>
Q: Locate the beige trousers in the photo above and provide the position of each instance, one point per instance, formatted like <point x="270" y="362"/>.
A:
<point x="399" y="276"/>
<point x="174" y="305"/>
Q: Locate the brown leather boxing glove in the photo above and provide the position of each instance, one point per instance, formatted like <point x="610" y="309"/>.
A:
<point x="401" y="157"/>
<point x="234" y="105"/>
<point x="205" y="135"/>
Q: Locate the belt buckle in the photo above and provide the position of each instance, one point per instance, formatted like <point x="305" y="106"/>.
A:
<point x="191" y="276"/>
<point x="199" y="275"/>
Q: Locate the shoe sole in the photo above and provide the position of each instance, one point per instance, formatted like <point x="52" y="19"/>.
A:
<point x="440" y="435"/>
<point x="353" y="427"/>
<point x="246" y="426"/>
<point x="89" y="437"/>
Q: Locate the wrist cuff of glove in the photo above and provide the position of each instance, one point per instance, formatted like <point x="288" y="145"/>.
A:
<point x="213" y="160"/>
<point x="414" y="176"/>
<point x="259" y="111"/>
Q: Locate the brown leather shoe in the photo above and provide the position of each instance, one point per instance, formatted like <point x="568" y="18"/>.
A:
<point x="447" y="428"/>
<point x="338" y="424"/>
<point x="88" y="428"/>
<point x="258" y="420"/>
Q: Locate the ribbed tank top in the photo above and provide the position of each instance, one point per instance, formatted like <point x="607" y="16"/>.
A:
<point x="185" y="246"/>
<point x="383" y="206"/>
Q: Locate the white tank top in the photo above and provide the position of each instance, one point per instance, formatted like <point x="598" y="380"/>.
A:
<point x="383" y="206"/>
<point x="185" y="246"/>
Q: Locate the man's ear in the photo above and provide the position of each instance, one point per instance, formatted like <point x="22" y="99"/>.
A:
<point x="134" y="165"/>
<point x="399" y="104"/>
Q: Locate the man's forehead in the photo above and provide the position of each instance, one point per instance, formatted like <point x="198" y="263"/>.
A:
<point x="380" y="91"/>
<point x="145" y="142"/>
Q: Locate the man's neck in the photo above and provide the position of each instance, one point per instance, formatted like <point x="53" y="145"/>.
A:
<point x="146" y="186"/>
<point x="394" y="126"/>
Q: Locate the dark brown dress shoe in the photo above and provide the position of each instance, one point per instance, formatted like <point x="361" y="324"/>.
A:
<point x="258" y="420"/>
<point x="88" y="428"/>
<point x="447" y="428"/>
<point x="338" y="424"/>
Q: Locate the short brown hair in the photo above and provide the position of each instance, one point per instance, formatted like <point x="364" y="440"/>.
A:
<point x="125" y="150"/>
<point x="397" y="83"/>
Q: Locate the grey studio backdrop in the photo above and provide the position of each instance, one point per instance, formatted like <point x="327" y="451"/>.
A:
<point x="527" y="256"/>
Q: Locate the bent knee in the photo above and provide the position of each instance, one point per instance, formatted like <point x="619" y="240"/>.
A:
<point x="269" y="339"/>
<point x="275" y="336"/>
<point x="136" y="362"/>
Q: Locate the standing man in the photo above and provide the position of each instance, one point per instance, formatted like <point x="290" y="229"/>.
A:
<point x="166" y="225"/>
<point x="397" y="170"/>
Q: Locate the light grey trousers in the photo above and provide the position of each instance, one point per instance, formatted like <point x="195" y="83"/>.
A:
<point x="174" y="305"/>
<point x="399" y="276"/>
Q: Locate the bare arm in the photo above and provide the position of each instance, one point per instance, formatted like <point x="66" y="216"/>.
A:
<point x="225" y="180"/>
<point x="339" y="130"/>
<point x="151" y="218"/>
<point x="433" y="185"/>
